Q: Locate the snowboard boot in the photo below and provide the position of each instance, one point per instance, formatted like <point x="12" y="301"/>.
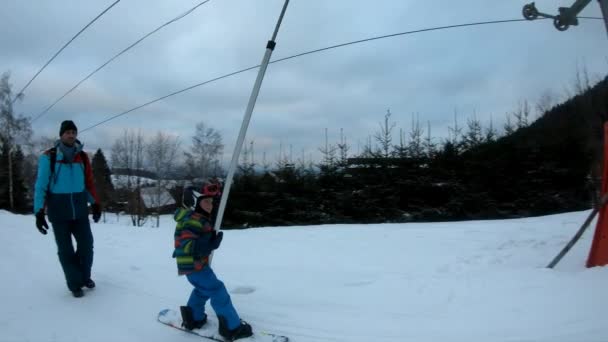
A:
<point x="242" y="331"/>
<point x="89" y="284"/>
<point x="188" y="321"/>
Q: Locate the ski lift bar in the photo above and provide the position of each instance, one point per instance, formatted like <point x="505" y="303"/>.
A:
<point x="252" y="99"/>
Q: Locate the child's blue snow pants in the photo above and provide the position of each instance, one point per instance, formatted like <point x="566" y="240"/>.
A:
<point x="207" y="286"/>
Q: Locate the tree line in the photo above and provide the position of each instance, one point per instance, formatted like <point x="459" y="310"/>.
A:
<point x="528" y="166"/>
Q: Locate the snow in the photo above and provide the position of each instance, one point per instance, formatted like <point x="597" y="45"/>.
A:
<point x="121" y="181"/>
<point x="476" y="281"/>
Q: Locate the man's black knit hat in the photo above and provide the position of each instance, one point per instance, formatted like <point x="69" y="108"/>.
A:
<point x="67" y="125"/>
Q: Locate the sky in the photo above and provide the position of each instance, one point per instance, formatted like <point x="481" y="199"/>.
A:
<point x="468" y="281"/>
<point x="480" y="72"/>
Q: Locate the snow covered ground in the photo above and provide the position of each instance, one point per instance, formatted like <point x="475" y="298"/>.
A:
<point x="477" y="281"/>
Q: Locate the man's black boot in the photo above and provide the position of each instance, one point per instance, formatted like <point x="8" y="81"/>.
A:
<point x="89" y="284"/>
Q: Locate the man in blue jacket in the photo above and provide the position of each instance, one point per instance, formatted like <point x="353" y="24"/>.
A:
<point x="64" y="186"/>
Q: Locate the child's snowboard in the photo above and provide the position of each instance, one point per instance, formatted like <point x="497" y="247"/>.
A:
<point x="209" y="331"/>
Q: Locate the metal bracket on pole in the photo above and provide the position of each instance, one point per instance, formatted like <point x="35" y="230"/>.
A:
<point x="245" y="124"/>
<point x="562" y="21"/>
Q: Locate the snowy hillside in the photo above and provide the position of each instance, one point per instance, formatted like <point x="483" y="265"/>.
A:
<point x="476" y="281"/>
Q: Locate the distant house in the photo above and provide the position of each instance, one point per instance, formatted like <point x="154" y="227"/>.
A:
<point x="154" y="199"/>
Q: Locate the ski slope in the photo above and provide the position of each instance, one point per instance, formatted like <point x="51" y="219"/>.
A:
<point x="476" y="281"/>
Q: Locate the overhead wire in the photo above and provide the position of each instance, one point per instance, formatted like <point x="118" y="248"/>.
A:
<point x="116" y="56"/>
<point x="62" y="48"/>
<point x="308" y="53"/>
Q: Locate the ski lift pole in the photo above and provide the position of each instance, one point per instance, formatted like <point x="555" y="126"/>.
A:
<point x="239" y="144"/>
<point x="604" y="7"/>
<point x="579" y="233"/>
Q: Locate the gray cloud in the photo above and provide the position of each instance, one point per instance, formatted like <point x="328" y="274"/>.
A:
<point x="483" y="71"/>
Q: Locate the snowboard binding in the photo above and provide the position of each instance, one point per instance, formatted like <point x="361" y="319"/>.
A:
<point x="188" y="321"/>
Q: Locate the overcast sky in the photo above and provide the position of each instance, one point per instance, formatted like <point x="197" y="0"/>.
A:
<point x="482" y="71"/>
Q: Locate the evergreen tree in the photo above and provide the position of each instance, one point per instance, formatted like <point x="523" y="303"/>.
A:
<point x="20" y="190"/>
<point x="103" y="179"/>
<point x="474" y="135"/>
<point x="343" y="149"/>
<point x="4" y="196"/>
<point x="508" y="126"/>
<point x="429" y="146"/>
<point x="490" y="133"/>
<point x="416" y="144"/>
<point x="385" y="135"/>
<point x="329" y="165"/>
<point x="247" y="165"/>
<point x="401" y="150"/>
<point x="454" y="135"/>
<point x="522" y="115"/>
<point x="20" y="193"/>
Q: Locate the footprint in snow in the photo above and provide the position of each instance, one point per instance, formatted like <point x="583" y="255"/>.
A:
<point x="243" y="290"/>
<point x="359" y="283"/>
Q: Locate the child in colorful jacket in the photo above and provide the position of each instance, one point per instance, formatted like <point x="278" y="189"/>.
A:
<point x="195" y="239"/>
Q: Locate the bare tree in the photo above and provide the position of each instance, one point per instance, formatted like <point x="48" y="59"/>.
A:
<point x="43" y="143"/>
<point x="128" y="154"/>
<point x="545" y="102"/>
<point x="207" y="147"/>
<point x="582" y="82"/>
<point x="13" y="130"/>
<point x="32" y="153"/>
<point x="162" y="154"/>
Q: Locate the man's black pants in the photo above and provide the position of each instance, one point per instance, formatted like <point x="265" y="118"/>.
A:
<point x="77" y="263"/>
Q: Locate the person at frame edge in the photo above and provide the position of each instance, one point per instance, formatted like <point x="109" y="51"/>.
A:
<point x="65" y="192"/>
<point x="194" y="240"/>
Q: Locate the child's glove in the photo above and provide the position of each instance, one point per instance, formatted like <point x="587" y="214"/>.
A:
<point x="216" y="240"/>
<point x="204" y="245"/>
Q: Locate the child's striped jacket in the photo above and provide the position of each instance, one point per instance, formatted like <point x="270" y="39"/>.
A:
<point x="192" y="228"/>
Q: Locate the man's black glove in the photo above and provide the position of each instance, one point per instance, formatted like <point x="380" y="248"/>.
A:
<point x="216" y="240"/>
<point x="96" y="212"/>
<point x="41" y="222"/>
